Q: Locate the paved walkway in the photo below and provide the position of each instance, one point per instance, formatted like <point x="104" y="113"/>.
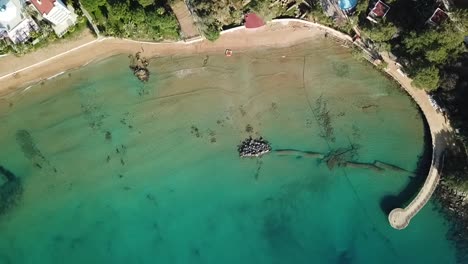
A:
<point x="186" y="21"/>
<point x="399" y="218"/>
<point x="90" y="19"/>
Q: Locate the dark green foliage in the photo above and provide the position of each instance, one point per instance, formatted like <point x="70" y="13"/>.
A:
<point x="437" y="45"/>
<point x="422" y="49"/>
<point x="142" y="19"/>
<point x="146" y="3"/>
<point x="381" y="32"/>
<point x="4" y="47"/>
<point x="429" y="50"/>
<point x="427" y="78"/>
<point x="211" y="32"/>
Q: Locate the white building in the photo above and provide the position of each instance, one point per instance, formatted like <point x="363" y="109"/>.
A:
<point x="57" y="14"/>
<point x="14" y="23"/>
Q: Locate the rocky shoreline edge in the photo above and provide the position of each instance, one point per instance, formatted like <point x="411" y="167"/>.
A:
<point x="453" y="204"/>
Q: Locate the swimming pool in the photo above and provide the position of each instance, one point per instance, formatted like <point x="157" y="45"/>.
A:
<point x="347" y="4"/>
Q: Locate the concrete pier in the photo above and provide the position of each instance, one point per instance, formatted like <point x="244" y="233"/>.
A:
<point x="400" y="218"/>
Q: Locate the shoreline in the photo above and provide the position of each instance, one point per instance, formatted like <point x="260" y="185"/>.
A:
<point x="238" y="39"/>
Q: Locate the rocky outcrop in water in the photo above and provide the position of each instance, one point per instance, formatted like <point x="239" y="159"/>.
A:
<point x="253" y="147"/>
<point x="139" y="66"/>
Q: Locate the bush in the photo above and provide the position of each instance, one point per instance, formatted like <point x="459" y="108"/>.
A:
<point x="211" y="33"/>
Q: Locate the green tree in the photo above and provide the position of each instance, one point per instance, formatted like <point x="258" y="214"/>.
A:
<point x="427" y="78"/>
<point x="211" y="32"/>
<point x="362" y="7"/>
<point x="4" y="47"/>
<point x="146" y="3"/>
<point x="437" y="45"/>
<point x="381" y="32"/>
<point x="92" y="5"/>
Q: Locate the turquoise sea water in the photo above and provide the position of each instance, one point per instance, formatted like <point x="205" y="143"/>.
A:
<point x="116" y="171"/>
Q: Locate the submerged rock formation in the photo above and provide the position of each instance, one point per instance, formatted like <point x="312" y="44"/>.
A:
<point x="139" y="66"/>
<point x="339" y="157"/>
<point x="253" y="147"/>
<point x="299" y="153"/>
<point x="10" y="190"/>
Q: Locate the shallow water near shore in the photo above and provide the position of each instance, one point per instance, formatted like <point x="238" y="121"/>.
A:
<point x="116" y="171"/>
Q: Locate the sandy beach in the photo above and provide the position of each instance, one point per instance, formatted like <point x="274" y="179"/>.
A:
<point x="17" y="72"/>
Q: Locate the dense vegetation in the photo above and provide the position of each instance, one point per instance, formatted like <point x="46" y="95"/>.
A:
<point x="139" y="19"/>
<point x="423" y="49"/>
<point x="215" y="15"/>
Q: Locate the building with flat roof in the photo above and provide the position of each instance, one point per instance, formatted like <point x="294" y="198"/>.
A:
<point x="57" y="14"/>
<point x="15" y="24"/>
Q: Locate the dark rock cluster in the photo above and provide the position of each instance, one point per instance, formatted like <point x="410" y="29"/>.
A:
<point x="253" y="147"/>
<point x="139" y="65"/>
<point x="454" y="206"/>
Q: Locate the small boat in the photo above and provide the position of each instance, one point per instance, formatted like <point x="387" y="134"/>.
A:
<point x="228" y="53"/>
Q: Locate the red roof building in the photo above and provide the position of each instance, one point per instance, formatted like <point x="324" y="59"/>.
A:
<point x="380" y="9"/>
<point x="43" y="6"/>
<point x="378" y="12"/>
<point x="438" y="17"/>
<point x="252" y="20"/>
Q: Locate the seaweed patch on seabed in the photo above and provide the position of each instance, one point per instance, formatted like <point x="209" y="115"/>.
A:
<point x="212" y="134"/>
<point x="91" y="111"/>
<point x="120" y="152"/>
<point x="127" y="120"/>
<point x="10" y="191"/>
<point x="323" y="116"/>
<point x="195" y="131"/>
<point x="339" y="157"/>
<point x="341" y="69"/>
<point x="259" y="167"/>
<point x="30" y="150"/>
<point x="278" y="231"/>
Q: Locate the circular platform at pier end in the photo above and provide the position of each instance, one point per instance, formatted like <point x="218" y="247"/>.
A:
<point x="398" y="218"/>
